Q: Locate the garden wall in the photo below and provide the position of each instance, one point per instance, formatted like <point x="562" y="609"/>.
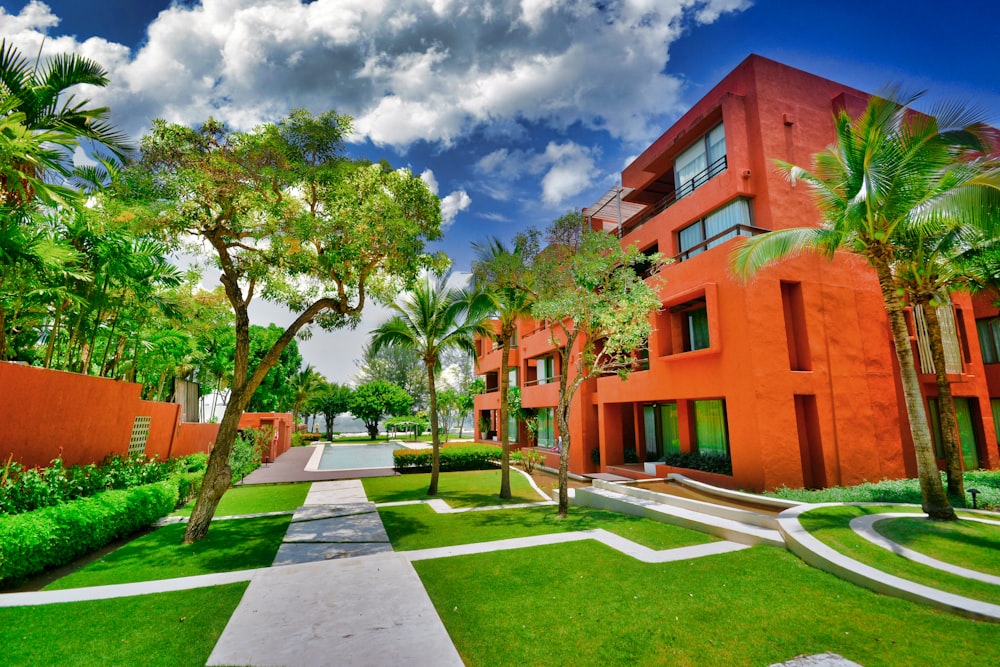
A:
<point x="281" y="422"/>
<point x="82" y="419"/>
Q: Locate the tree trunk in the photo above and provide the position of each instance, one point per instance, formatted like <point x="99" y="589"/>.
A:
<point x="935" y="502"/>
<point x="435" y="440"/>
<point x="504" y="418"/>
<point x="946" y="404"/>
<point x="562" y="418"/>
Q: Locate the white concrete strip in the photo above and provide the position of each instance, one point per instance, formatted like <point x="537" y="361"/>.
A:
<point x="317" y="455"/>
<point x="371" y="610"/>
<point x="865" y="527"/>
<point x="814" y="552"/>
<point x="336" y="492"/>
<point x="531" y="481"/>
<point x="607" y="538"/>
<point x="126" y="590"/>
<point x="170" y="520"/>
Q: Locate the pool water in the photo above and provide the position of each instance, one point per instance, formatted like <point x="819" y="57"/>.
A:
<point x="357" y="457"/>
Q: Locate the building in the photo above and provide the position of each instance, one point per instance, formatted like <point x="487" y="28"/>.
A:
<point x="790" y="377"/>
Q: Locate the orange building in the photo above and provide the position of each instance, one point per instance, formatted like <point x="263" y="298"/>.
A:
<point x="790" y="379"/>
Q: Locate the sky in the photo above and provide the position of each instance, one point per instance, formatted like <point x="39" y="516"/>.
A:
<point x="512" y="111"/>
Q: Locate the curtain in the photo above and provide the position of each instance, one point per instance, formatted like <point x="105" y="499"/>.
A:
<point x="710" y="427"/>
<point x="670" y="429"/>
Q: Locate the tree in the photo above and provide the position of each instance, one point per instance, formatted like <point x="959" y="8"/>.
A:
<point x="372" y="401"/>
<point x="276" y="392"/>
<point x="330" y="401"/>
<point x="305" y="384"/>
<point x="499" y="272"/>
<point x="289" y="218"/>
<point x="448" y="406"/>
<point x="892" y="173"/>
<point x="467" y="400"/>
<point x="599" y="311"/>
<point x="397" y="365"/>
<point x="431" y="318"/>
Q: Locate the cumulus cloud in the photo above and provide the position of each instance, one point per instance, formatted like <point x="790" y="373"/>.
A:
<point x="407" y="70"/>
<point x="565" y="170"/>
<point x="452" y="204"/>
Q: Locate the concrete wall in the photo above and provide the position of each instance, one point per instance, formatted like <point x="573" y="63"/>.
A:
<point x="83" y="419"/>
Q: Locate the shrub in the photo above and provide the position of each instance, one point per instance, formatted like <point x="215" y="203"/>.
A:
<point x="24" y="490"/>
<point x="706" y="463"/>
<point x="453" y="458"/>
<point x="247" y="450"/>
<point x="35" y="541"/>
<point x="897" y="491"/>
<point x="528" y="459"/>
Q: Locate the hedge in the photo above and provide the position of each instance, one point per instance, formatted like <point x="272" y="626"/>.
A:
<point x="453" y="458"/>
<point x="704" y="462"/>
<point x="35" y="541"/>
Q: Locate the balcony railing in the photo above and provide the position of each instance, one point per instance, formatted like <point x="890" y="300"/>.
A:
<point x="685" y="189"/>
<point x="725" y="235"/>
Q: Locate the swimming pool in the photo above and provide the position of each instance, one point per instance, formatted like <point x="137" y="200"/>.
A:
<point x="357" y="457"/>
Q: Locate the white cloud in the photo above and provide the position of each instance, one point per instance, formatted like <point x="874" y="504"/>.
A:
<point x="407" y="70"/>
<point x="452" y="205"/>
<point x="566" y="170"/>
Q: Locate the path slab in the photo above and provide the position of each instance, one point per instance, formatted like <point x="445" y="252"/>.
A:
<point x="354" y="528"/>
<point x="312" y="512"/>
<point x="295" y="553"/>
<point x="340" y="492"/>
<point x="358" y="611"/>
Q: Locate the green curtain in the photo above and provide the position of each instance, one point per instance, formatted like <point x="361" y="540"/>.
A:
<point x="710" y="427"/>
<point x="697" y="322"/>
<point x="670" y="428"/>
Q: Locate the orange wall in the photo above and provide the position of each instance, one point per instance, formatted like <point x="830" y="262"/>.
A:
<point x="194" y="437"/>
<point x="282" y="424"/>
<point x="82" y="419"/>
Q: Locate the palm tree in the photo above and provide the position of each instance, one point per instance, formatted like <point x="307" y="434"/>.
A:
<point x="890" y="173"/>
<point x="305" y="384"/>
<point x="496" y="272"/>
<point x="432" y="318"/>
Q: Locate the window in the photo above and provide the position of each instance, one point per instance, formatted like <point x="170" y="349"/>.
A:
<point x="512" y="376"/>
<point x="989" y="339"/>
<point x="711" y="431"/>
<point x="696" y="329"/>
<point x="965" y="420"/>
<point x="700" y="162"/>
<point x="546" y="369"/>
<point x="661" y="430"/>
<point x="714" y="229"/>
<point x="546" y="427"/>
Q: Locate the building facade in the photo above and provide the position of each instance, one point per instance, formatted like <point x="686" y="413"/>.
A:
<point x="789" y="379"/>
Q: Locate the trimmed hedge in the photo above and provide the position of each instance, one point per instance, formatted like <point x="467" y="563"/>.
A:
<point x="453" y="458"/>
<point x="34" y="541"/>
<point x="704" y="462"/>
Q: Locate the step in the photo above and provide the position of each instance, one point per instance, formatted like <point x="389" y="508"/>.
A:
<point x="719" y="526"/>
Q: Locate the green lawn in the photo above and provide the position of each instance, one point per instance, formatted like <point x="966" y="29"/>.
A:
<point x="475" y="488"/>
<point x="413" y="527"/>
<point x="970" y="544"/>
<point x="831" y="526"/>
<point x="240" y="544"/>
<point x="585" y="604"/>
<point x="169" y="629"/>
<point x="256" y="499"/>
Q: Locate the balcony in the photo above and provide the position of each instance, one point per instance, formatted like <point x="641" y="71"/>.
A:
<point x="721" y="237"/>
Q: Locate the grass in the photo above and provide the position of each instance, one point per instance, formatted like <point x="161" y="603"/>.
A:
<point x="971" y="544"/>
<point x="897" y="491"/>
<point x="240" y="544"/>
<point x="419" y="527"/>
<point x="585" y="604"/>
<point x="831" y="526"/>
<point x="476" y="488"/>
<point x="168" y="629"/>
<point x="256" y="499"/>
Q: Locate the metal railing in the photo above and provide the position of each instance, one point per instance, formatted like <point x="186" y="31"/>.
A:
<point x="686" y="188"/>
<point x="725" y="235"/>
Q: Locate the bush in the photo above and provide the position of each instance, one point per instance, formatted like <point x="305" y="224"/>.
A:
<point x="247" y="450"/>
<point x="527" y="459"/>
<point x="453" y="458"/>
<point x="35" y="541"/>
<point x="24" y="490"/>
<point x="706" y="463"/>
<point x="897" y="491"/>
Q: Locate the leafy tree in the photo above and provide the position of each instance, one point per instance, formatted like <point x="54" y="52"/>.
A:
<point x="598" y="308"/>
<point x="287" y="218"/>
<point x="275" y="393"/>
<point x="397" y="365"/>
<point x="372" y="401"/>
<point x="467" y="400"/>
<point x="432" y="318"/>
<point x="448" y="406"/>
<point x="892" y="174"/>
<point x="330" y="401"/>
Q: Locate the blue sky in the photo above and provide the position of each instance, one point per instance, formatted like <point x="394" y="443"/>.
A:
<point x="514" y="110"/>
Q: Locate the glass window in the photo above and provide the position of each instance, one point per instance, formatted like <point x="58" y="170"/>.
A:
<point x="715" y="228"/>
<point x="700" y="161"/>
<point x="670" y="429"/>
<point x="711" y="436"/>
<point x="989" y="339"/>
<point x="696" y="329"/>
<point x="546" y="427"/>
